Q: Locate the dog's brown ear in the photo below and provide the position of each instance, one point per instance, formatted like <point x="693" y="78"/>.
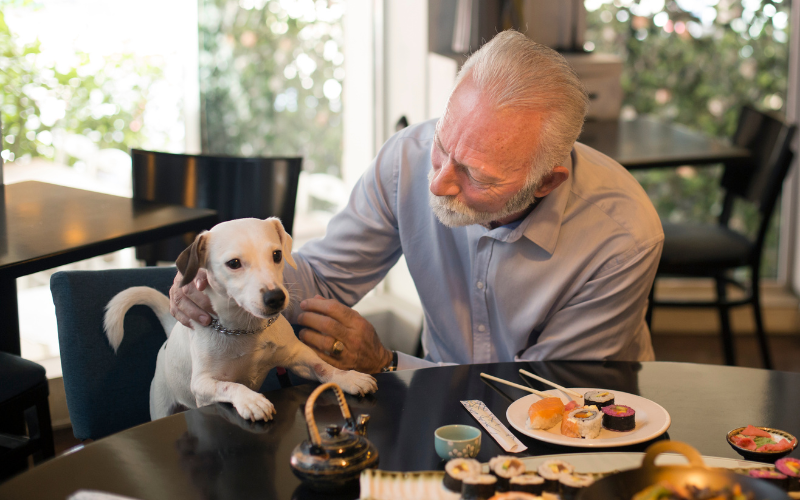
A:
<point x="286" y="240"/>
<point x="192" y="259"/>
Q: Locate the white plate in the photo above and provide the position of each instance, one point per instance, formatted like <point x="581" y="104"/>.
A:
<point x="652" y="420"/>
<point x="599" y="463"/>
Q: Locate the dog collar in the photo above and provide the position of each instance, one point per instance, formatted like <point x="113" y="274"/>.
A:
<point x="215" y="324"/>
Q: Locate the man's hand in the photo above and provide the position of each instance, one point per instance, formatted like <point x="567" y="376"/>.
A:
<point x="328" y="322"/>
<point x="188" y="302"/>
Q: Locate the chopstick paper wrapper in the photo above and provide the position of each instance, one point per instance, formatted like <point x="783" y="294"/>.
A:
<point x="493" y="426"/>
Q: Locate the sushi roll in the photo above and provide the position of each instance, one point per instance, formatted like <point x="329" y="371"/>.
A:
<point x="480" y="487"/>
<point x="527" y="483"/>
<point x="550" y="470"/>
<point x="545" y="413"/>
<point x="585" y="422"/>
<point x="457" y="469"/>
<point x="771" y="476"/>
<point x="505" y="467"/>
<point x="598" y="398"/>
<point x="515" y="495"/>
<point x="791" y="468"/>
<point x="619" y="418"/>
<point x="571" y="484"/>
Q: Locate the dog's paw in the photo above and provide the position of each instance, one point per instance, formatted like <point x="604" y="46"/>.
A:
<point x="353" y="382"/>
<point x="253" y="406"/>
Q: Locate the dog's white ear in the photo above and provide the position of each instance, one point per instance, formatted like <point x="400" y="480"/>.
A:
<point x="286" y="240"/>
<point x="192" y="259"/>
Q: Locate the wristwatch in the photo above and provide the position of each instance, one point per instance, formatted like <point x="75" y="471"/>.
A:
<point x="391" y="367"/>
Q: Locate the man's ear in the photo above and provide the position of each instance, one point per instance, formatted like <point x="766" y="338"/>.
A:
<point x="286" y="240"/>
<point x="551" y="181"/>
<point x="193" y="258"/>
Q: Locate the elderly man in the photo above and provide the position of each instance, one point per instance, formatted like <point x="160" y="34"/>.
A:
<point x="522" y="243"/>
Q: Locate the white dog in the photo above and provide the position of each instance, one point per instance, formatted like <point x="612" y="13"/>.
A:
<point x="228" y="360"/>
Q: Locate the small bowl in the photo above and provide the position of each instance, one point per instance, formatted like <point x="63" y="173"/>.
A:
<point x="457" y="441"/>
<point x="762" y="456"/>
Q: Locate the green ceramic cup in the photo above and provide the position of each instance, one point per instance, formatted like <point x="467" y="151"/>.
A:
<point x="457" y="441"/>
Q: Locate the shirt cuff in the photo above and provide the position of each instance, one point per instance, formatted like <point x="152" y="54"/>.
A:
<point x="408" y="362"/>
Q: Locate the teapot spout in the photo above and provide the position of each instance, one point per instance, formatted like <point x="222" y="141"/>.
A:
<point x="361" y="425"/>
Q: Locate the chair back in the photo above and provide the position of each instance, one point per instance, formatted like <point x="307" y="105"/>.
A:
<point x="107" y="392"/>
<point x="759" y="179"/>
<point x="234" y="187"/>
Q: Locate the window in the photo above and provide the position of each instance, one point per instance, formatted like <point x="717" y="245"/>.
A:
<point x="697" y="62"/>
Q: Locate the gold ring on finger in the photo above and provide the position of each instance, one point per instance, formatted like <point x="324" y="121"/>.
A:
<point x="337" y="348"/>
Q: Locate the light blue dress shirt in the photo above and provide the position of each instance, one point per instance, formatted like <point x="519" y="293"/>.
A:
<point x="570" y="281"/>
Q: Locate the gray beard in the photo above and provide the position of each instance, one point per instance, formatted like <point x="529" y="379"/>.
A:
<point x="453" y="213"/>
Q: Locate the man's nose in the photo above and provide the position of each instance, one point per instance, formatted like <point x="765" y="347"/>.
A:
<point x="445" y="180"/>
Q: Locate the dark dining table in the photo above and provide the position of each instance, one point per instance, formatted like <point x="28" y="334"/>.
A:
<point x="44" y="225"/>
<point x="211" y="453"/>
<point x="646" y="142"/>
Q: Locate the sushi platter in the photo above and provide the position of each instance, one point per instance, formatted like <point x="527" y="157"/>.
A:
<point x="651" y="421"/>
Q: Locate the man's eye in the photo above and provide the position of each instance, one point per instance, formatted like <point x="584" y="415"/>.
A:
<point x="234" y="264"/>
<point x="277" y="255"/>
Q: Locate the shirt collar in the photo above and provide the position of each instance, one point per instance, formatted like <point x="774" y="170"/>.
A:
<point x="543" y="224"/>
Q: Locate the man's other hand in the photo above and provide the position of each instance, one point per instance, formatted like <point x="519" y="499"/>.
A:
<point x="328" y="322"/>
<point x="189" y="303"/>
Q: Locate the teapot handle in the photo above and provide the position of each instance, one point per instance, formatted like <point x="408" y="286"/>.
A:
<point x="656" y="449"/>
<point x="313" y="431"/>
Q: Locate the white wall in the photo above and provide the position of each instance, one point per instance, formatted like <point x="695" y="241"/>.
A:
<point x="358" y="112"/>
<point x="789" y="267"/>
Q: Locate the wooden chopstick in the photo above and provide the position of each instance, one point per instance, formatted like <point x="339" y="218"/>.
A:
<point x="518" y="386"/>
<point x="540" y="379"/>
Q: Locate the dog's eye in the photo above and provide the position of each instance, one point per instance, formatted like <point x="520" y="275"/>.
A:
<point x="234" y="264"/>
<point x="277" y="255"/>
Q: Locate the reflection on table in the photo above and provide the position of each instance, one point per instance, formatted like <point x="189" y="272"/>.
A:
<point x="213" y="453"/>
<point x="45" y="225"/>
<point x="645" y="142"/>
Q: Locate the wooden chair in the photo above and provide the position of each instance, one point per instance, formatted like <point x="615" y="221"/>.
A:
<point x="714" y="251"/>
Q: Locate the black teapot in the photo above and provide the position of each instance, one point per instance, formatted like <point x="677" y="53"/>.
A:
<point x="334" y="460"/>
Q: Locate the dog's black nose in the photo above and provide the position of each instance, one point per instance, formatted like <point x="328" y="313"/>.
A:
<point x="274" y="299"/>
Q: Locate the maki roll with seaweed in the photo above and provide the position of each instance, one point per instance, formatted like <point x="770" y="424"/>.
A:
<point x="550" y="470"/>
<point x="771" y="476"/>
<point x="457" y="469"/>
<point x="791" y="468"/>
<point x="598" y="398"/>
<point x="585" y="422"/>
<point x="480" y="487"/>
<point x="571" y="484"/>
<point x="505" y="467"/>
<point x="527" y="483"/>
<point x="619" y="418"/>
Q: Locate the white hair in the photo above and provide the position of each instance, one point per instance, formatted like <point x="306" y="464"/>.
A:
<point x="514" y="71"/>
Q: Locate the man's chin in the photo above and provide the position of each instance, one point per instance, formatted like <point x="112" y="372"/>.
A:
<point x="451" y="218"/>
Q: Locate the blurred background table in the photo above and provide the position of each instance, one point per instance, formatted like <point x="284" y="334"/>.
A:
<point x="645" y="142"/>
<point x="213" y="453"/>
<point x="44" y="226"/>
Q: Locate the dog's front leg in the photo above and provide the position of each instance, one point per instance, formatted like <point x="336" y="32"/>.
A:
<point x="251" y="405"/>
<point x="305" y="362"/>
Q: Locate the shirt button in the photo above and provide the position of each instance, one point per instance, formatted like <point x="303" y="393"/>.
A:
<point x="479" y="284"/>
<point x="481" y="328"/>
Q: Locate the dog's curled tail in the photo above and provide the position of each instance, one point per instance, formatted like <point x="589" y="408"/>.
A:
<point x="134" y="296"/>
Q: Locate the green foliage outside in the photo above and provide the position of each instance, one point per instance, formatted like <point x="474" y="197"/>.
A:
<point x="270" y="80"/>
<point x="44" y="102"/>
<point x="696" y="63"/>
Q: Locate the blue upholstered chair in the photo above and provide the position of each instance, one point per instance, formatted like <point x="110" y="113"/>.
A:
<point x="109" y="392"/>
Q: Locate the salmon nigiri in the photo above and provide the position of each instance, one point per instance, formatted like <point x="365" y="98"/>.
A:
<point x="545" y="413"/>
